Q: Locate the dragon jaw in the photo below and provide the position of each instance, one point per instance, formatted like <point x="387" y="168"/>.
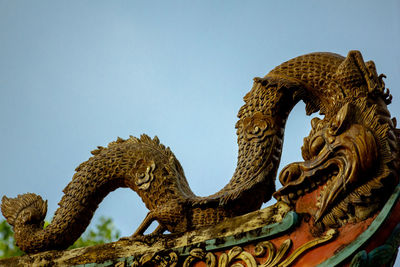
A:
<point x="338" y="158"/>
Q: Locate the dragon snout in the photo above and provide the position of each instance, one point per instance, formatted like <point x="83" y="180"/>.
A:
<point x="290" y="173"/>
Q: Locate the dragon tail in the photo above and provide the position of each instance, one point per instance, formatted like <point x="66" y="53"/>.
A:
<point x="89" y="186"/>
<point x="26" y="208"/>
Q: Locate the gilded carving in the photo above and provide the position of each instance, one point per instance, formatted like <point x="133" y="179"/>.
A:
<point x="311" y="244"/>
<point x="257" y="127"/>
<point x="274" y="258"/>
<point x="199" y="254"/>
<point x="155" y="259"/>
<point x="144" y="179"/>
<point x="236" y="253"/>
<point x="351" y="161"/>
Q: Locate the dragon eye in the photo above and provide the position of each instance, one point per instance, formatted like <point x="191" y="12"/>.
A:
<point x="317" y="145"/>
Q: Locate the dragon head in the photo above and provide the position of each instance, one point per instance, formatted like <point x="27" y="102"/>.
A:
<point x="347" y="165"/>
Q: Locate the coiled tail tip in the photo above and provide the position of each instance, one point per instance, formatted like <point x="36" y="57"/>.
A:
<point x="24" y="209"/>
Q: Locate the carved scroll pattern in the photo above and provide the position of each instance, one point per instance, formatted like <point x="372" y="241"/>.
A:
<point x="236" y="257"/>
<point x="152" y="259"/>
<point x="274" y="258"/>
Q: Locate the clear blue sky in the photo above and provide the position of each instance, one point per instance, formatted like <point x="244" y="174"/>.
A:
<point x="77" y="74"/>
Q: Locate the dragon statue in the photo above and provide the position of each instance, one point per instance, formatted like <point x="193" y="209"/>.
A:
<point x="350" y="167"/>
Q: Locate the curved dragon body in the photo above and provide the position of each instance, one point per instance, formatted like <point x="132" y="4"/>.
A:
<point x="133" y="163"/>
<point x="324" y="81"/>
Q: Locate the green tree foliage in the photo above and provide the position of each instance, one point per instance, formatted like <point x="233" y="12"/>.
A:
<point x="7" y="244"/>
<point x="103" y="232"/>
